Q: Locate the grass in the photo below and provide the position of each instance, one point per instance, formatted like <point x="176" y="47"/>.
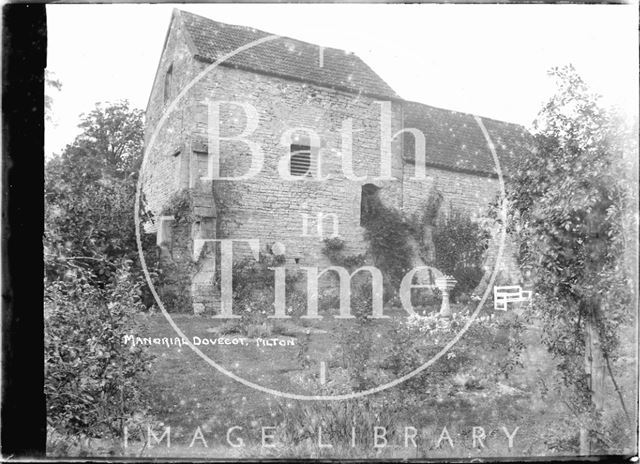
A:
<point x="188" y="393"/>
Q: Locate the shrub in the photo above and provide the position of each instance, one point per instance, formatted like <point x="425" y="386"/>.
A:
<point x="460" y="245"/>
<point x="254" y="294"/>
<point x="94" y="381"/>
<point x="468" y="279"/>
<point x="334" y="250"/>
<point x="230" y="328"/>
<point x="355" y="340"/>
<point x="329" y="298"/>
<point x="418" y="338"/>
<point x="172" y="280"/>
<point x="180" y="206"/>
<point x="253" y="285"/>
<point x="388" y="236"/>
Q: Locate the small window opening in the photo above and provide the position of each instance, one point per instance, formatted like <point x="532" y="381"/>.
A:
<point x="168" y="84"/>
<point x="297" y="260"/>
<point x="368" y="199"/>
<point x="300" y="161"/>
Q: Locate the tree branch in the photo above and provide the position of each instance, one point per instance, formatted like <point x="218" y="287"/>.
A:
<point x="615" y="385"/>
<point x="102" y="260"/>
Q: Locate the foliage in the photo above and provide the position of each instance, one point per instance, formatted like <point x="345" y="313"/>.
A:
<point x="180" y="206"/>
<point x="329" y="298"/>
<point x="468" y="279"/>
<point x="460" y="242"/>
<point x="419" y="338"/>
<point x="254" y="292"/>
<point x="460" y="245"/>
<point x="387" y="234"/>
<point x="112" y="137"/>
<point x="572" y="202"/>
<point x="432" y="207"/>
<point x="93" y="284"/>
<point x="92" y="381"/>
<point x="89" y="192"/>
<point x="175" y="276"/>
<point x="303" y="357"/>
<point x="422" y="222"/>
<point x="301" y="420"/>
<point x="355" y="340"/>
<point x="50" y="82"/>
<point x="334" y="250"/>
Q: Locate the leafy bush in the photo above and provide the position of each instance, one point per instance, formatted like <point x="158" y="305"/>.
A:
<point x="334" y="250"/>
<point x="180" y="206"/>
<point x="418" y="338"/>
<point x="89" y="192"/>
<point x="94" y="381"/>
<point x="574" y="202"/>
<point x="355" y="339"/>
<point x="388" y="236"/>
<point x="468" y="279"/>
<point x="254" y="293"/>
<point x="460" y="245"/>
<point x="329" y="298"/>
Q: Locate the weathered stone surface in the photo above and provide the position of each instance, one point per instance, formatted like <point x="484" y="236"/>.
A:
<point x="266" y="206"/>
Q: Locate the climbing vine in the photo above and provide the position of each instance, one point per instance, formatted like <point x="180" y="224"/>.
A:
<point x="572" y="198"/>
<point x="180" y="206"/>
<point x="334" y="250"/>
<point x="387" y="234"/>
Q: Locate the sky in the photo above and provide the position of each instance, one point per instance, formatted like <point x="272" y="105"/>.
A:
<point x="489" y="60"/>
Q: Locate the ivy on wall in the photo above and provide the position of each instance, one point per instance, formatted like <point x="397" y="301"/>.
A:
<point x="180" y="206"/>
<point x="460" y="244"/>
<point x="334" y="250"/>
<point x="388" y="236"/>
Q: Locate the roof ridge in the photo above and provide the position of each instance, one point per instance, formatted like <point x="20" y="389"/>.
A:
<point x="467" y="114"/>
<point x="253" y="29"/>
<point x="294" y="60"/>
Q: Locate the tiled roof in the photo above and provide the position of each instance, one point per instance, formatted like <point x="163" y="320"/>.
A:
<point x="455" y="141"/>
<point x="284" y="57"/>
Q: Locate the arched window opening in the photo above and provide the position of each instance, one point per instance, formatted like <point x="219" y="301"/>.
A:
<point x="368" y="199"/>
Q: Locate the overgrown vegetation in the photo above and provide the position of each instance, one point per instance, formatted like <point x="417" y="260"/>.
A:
<point x="180" y="206"/>
<point x="569" y="206"/>
<point x="387" y="235"/>
<point x="254" y="294"/>
<point x="572" y="200"/>
<point x="355" y="341"/>
<point x="94" y="380"/>
<point x="334" y="250"/>
<point x="94" y="384"/>
<point x="300" y="423"/>
<point x="460" y="247"/>
<point x="329" y="295"/>
<point x="416" y="340"/>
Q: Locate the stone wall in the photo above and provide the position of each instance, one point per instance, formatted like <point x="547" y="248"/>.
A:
<point x="462" y="191"/>
<point x="270" y="208"/>
<point x="167" y="171"/>
<point x="166" y="167"/>
<point x="266" y="206"/>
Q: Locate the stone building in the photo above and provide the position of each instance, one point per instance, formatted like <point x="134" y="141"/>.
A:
<point x="304" y="110"/>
